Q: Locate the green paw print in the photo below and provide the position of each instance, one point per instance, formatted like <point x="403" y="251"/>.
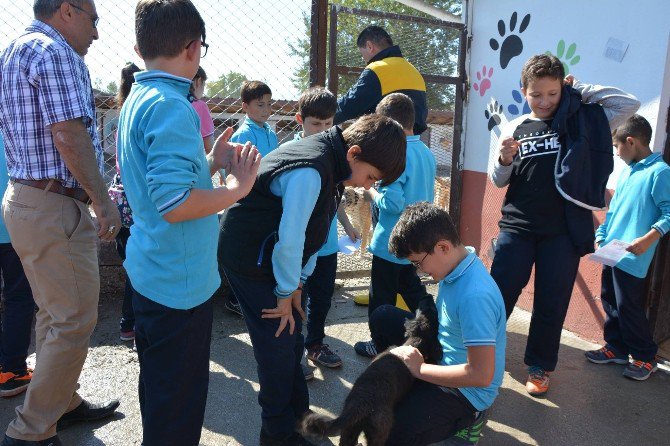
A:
<point x="568" y="57"/>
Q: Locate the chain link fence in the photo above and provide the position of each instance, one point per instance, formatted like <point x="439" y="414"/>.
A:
<point x="270" y="41"/>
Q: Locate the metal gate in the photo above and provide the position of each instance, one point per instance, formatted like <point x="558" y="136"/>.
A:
<point x="437" y="49"/>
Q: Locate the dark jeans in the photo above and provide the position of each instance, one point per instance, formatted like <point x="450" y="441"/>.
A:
<point x="387" y="279"/>
<point x="556" y="262"/>
<point x="127" y="321"/>
<point x="17" y="317"/>
<point x="428" y="413"/>
<point x="283" y="394"/>
<point x="173" y="350"/>
<point x="319" y="293"/>
<point x="626" y="327"/>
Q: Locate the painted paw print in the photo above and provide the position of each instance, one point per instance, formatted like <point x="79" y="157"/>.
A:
<point x="484" y="81"/>
<point x="512" y="45"/>
<point x="568" y="57"/>
<point x="520" y="106"/>
<point x="493" y="113"/>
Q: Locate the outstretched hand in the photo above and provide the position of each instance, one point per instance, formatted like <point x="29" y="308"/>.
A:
<point x="223" y="151"/>
<point x="242" y="169"/>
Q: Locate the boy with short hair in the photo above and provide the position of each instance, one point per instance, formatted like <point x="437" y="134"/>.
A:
<point x="453" y="394"/>
<point x="556" y="161"/>
<point x="639" y="214"/>
<point x="169" y="257"/>
<point x="316" y="109"/>
<point x="268" y="245"/>
<point x="391" y="275"/>
<point x="256" y="103"/>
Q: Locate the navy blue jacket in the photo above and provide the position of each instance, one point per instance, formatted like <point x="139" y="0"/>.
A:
<point x="387" y="72"/>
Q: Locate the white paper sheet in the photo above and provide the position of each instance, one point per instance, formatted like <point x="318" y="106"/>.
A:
<point x="611" y="253"/>
<point x="347" y="246"/>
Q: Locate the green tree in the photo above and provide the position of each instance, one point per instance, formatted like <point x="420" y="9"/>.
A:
<point x="112" y="88"/>
<point x="433" y="50"/>
<point x="227" y="85"/>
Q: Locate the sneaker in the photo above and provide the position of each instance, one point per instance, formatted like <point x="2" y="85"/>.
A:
<point x="233" y="307"/>
<point x="321" y="354"/>
<point x="308" y="372"/>
<point x="538" y="381"/>
<point x="362" y="299"/>
<point x="639" y="370"/>
<point x="366" y="348"/>
<point x="12" y="384"/>
<point x="606" y="355"/>
<point x="469" y="435"/>
<point x="127" y="335"/>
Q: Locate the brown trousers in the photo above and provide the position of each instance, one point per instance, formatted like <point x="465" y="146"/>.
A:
<point x="56" y="240"/>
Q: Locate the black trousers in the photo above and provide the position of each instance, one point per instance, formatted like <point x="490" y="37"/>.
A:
<point x="319" y="294"/>
<point x="428" y="413"/>
<point x="556" y="262"/>
<point x="283" y="394"/>
<point x="626" y="327"/>
<point x="173" y="349"/>
<point x="387" y="279"/>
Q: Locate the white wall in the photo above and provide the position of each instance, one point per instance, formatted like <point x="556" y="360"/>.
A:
<point x="644" y="70"/>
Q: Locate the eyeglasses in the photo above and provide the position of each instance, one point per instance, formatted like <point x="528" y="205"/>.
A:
<point x="418" y="264"/>
<point x="94" y="18"/>
<point x="202" y="44"/>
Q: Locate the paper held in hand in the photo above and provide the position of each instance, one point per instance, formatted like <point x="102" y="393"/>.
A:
<point x="347" y="246"/>
<point x="611" y="253"/>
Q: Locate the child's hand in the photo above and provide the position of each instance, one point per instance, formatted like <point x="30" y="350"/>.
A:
<point x="509" y="147"/>
<point x="569" y="80"/>
<point x="353" y="234"/>
<point x="411" y="357"/>
<point x="223" y="151"/>
<point x="640" y="245"/>
<point x="284" y="310"/>
<point x="243" y="169"/>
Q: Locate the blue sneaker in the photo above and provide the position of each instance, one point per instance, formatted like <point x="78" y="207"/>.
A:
<point x="366" y="348"/>
<point x="639" y="370"/>
<point x="606" y="355"/>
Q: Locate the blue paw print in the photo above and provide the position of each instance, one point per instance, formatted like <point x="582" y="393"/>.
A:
<point x="521" y="106"/>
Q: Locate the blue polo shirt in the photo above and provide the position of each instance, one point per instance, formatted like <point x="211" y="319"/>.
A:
<point x="641" y="202"/>
<point x="162" y="158"/>
<point x="471" y="313"/>
<point x="4" y="179"/>
<point x="262" y="137"/>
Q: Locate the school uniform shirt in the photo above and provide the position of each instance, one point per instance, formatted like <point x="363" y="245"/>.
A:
<point x="162" y="158"/>
<point x="415" y="184"/>
<point x="4" y="179"/>
<point x="471" y="313"/>
<point x="262" y="137"/>
<point x="641" y="202"/>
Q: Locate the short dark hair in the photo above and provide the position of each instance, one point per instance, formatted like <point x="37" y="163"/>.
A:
<point x="636" y="127"/>
<point x="45" y="9"/>
<point x="163" y="28"/>
<point x="383" y="144"/>
<point x="127" y="80"/>
<point x="317" y="102"/>
<point x="542" y="65"/>
<point x="398" y="106"/>
<point x="375" y="34"/>
<point x="200" y="74"/>
<point x="419" y="228"/>
<point x="253" y="90"/>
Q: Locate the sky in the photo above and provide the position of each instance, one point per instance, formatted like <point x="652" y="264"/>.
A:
<point x="248" y="36"/>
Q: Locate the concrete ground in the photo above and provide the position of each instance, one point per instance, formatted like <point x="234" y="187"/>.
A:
<point x="588" y="404"/>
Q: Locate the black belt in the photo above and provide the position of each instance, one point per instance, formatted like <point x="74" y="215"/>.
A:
<point x="56" y="187"/>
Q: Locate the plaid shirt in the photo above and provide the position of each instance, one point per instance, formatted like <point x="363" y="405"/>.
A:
<point x="43" y="82"/>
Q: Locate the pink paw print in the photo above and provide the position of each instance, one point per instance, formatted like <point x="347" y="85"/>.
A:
<point x="484" y="79"/>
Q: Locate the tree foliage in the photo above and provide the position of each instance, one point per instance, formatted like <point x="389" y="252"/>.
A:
<point x="227" y="85"/>
<point x="432" y="49"/>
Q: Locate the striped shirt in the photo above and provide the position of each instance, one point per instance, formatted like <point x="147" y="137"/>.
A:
<point x="43" y="81"/>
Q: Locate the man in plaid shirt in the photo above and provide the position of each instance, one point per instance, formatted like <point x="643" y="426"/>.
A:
<point x="54" y="160"/>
